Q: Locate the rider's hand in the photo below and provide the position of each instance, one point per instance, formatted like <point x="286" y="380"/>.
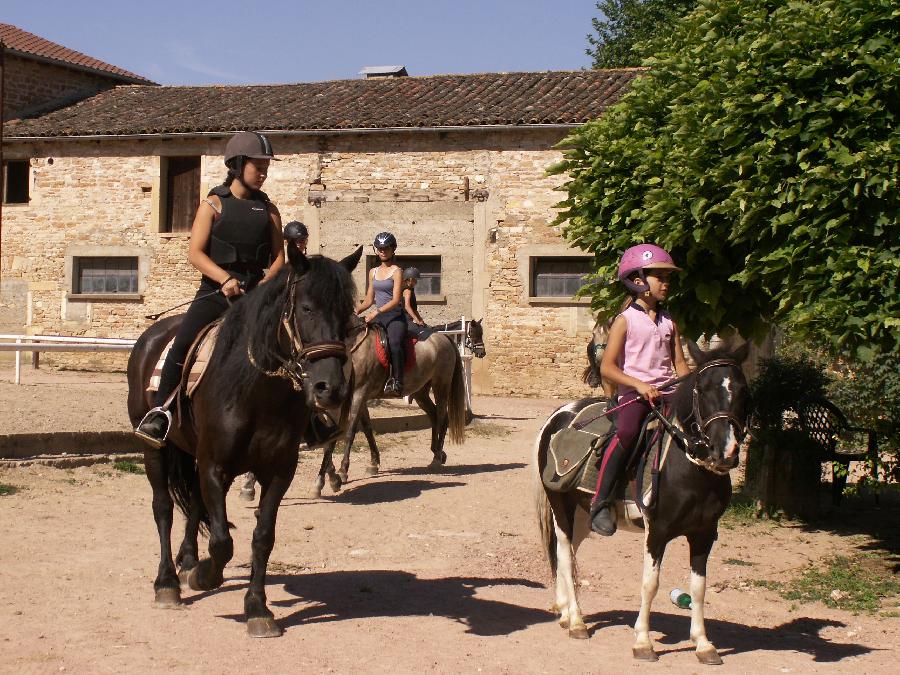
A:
<point x="232" y="288"/>
<point x="370" y="317"/>
<point x="647" y="391"/>
<point x="420" y="323"/>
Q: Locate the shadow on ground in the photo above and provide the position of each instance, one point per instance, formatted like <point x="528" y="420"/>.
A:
<point x="343" y="596"/>
<point x="800" y="635"/>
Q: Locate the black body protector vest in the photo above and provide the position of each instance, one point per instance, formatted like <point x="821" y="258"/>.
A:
<point x="241" y="240"/>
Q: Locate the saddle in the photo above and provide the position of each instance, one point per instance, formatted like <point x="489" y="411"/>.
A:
<point x="383" y="351"/>
<point x="576" y="452"/>
<point x="194" y="364"/>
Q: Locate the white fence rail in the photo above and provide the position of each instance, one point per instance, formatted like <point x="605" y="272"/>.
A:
<point x="71" y="343"/>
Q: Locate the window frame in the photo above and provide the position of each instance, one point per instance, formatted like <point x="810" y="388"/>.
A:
<point x="526" y="258"/>
<point x="164" y="226"/>
<point x="72" y="260"/>
<point x="4" y="183"/>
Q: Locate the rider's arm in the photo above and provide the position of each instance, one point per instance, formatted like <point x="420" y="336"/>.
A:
<point x="407" y="303"/>
<point x="201" y="231"/>
<point x="609" y="367"/>
<point x="277" y="243"/>
<point x="681" y="366"/>
<point x="369" y="300"/>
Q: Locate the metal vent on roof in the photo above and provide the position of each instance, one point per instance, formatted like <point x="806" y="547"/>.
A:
<point x="383" y="71"/>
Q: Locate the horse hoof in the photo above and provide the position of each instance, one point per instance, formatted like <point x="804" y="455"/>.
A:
<point x="168" y="598"/>
<point x="371" y="470"/>
<point x="200" y="581"/>
<point x="709" y="657"/>
<point x="247" y="495"/>
<point x="343" y="476"/>
<point x="436" y="464"/>
<point x="644" y="653"/>
<point x="263" y="627"/>
<point x="336" y="483"/>
<point x="315" y="493"/>
<point x="579" y="632"/>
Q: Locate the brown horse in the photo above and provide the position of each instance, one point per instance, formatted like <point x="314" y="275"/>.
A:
<point x="280" y="355"/>
<point x="437" y="371"/>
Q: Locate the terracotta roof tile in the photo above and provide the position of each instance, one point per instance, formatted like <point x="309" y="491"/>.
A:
<point x="28" y="43"/>
<point x="571" y="97"/>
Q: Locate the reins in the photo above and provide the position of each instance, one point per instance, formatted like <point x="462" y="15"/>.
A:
<point x="293" y="367"/>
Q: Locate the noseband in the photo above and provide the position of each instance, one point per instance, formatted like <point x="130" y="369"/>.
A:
<point x="293" y="366"/>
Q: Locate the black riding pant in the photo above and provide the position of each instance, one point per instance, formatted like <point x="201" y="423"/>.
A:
<point x="394" y="323"/>
<point x="201" y="312"/>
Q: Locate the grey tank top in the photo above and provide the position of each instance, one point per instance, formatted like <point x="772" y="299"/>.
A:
<point x="384" y="290"/>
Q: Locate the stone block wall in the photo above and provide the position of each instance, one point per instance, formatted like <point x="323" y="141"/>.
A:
<point x="34" y="85"/>
<point x="480" y="200"/>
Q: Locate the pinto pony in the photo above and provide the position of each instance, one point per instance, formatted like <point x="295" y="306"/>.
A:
<point x="280" y="355"/>
<point x="694" y="489"/>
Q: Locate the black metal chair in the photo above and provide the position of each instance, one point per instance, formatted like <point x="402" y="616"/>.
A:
<point x="830" y="431"/>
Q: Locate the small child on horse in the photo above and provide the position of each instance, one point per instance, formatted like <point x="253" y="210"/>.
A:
<point x="415" y="324"/>
<point x="643" y="351"/>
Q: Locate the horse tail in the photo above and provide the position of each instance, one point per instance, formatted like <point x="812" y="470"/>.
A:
<point x="542" y="503"/>
<point x="456" y="408"/>
<point x="183" y="481"/>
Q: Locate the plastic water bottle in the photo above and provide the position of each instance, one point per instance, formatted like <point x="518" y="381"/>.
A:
<point x="680" y="599"/>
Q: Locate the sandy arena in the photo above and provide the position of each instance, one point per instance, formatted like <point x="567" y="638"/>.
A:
<point x="405" y="572"/>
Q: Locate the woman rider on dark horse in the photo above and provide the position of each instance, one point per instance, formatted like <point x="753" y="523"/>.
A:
<point x="235" y="236"/>
<point x="385" y="287"/>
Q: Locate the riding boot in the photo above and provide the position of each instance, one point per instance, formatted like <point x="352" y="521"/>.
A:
<point x="154" y="428"/>
<point x="603" y="519"/>
<point x="393" y="388"/>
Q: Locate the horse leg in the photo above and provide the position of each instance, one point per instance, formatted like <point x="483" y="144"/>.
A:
<point x="327" y="467"/>
<point x="356" y="407"/>
<point x="424" y="402"/>
<point x="570" y="617"/>
<point x="188" y="555"/>
<point x="365" y="422"/>
<point x="166" y="586"/>
<point x="248" y="489"/>
<point x="260" y="620"/>
<point x="653" y="554"/>
<point x="207" y="575"/>
<point x="701" y="545"/>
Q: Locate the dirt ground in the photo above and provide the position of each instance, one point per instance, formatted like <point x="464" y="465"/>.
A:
<point x="405" y="572"/>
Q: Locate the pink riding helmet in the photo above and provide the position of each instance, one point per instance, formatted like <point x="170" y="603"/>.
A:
<point x="643" y="257"/>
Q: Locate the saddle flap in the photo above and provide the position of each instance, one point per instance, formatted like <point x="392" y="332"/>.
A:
<point x="569" y="448"/>
<point x="198" y="357"/>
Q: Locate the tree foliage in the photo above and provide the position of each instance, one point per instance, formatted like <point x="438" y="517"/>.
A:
<point x="761" y="149"/>
<point x="625" y="25"/>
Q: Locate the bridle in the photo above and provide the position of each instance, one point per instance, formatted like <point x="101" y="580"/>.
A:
<point x="697" y="438"/>
<point x="293" y="366"/>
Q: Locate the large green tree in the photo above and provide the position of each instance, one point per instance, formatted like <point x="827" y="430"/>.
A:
<point x="625" y="26"/>
<point x="762" y="149"/>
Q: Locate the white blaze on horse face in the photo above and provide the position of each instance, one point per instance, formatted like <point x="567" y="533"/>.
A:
<point x="731" y="444"/>
<point x="726" y="385"/>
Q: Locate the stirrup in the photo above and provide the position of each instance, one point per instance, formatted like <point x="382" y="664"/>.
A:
<point x="154" y="441"/>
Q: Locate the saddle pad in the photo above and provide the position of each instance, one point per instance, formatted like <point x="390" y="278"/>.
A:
<point x="198" y="357"/>
<point x="384" y="357"/>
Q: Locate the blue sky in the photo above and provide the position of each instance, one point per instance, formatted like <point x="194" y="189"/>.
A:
<point x="228" y="42"/>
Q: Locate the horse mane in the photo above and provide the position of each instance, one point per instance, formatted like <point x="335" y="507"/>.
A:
<point x="254" y="319"/>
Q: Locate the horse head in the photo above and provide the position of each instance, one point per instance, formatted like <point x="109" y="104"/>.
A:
<point x="475" y="338"/>
<point x="714" y="407"/>
<point x="317" y="316"/>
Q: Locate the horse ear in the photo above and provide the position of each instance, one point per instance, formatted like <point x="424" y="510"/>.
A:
<point x="696" y="353"/>
<point x="352" y="260"/>
<point x="479" y="321"/>
<point x="741" y="353"/>
<point x="298" y="261"/>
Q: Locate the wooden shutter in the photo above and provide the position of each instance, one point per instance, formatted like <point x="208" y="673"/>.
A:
<point x="182" y="192"/>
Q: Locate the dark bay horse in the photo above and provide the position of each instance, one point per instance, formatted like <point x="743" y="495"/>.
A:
<point x="437" y="372"/>
<point x="694" y="489"/>
<point x="280" y="354"/>
<point x="473" y="335"/>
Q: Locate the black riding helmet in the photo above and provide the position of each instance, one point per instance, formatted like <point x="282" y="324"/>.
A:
<point x="295" y="230"/>
<point x="411" y="273"/>
<point x="246" y="145"/>
<point x="385" y="240"/>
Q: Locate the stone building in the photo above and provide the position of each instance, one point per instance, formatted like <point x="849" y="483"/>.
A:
<point x="454" y="165"/>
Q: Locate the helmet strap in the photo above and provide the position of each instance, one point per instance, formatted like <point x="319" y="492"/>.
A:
<point x="635" y="287"/>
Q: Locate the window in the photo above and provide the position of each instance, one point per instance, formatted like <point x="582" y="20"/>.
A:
<point x="558" y="277"/>
<point x="182" y="192"/>
<point x="429" y="267"/>
<point x="15" y="181"/>
<point x="107" y="275"/>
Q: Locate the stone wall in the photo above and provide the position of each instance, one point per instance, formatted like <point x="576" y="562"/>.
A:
<point x="33" y="85"/>
<point x="480" y="200"/>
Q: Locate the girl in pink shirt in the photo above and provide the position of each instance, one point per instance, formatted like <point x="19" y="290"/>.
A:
<point x="642" y="352"/>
